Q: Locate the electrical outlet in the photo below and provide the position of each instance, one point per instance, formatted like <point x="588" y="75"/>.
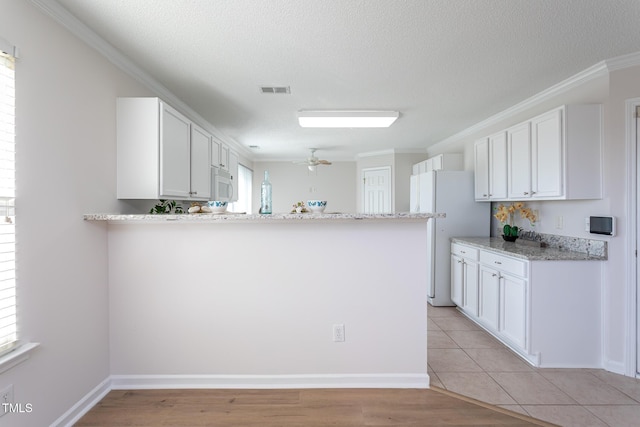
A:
<point x="559" y="222"/>
<point x="338" y="332"/>
<point x="6" y="398"/>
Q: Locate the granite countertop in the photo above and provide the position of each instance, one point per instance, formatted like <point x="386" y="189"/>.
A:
<point x="231" y="217"/>
<point x="532" y="251"/>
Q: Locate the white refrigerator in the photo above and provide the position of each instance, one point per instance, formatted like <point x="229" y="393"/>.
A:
<point x="451" y="193"/>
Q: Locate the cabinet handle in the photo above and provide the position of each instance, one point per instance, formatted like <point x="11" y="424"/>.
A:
<point x="459" y="261"/>
<point x="193" y="192"/>
<point x="463" y="252"/>
<point x="526" y="192"/>
<point x="485" y="195"/>
<point x="497" y="262"/>
<point x="494" y="275"/>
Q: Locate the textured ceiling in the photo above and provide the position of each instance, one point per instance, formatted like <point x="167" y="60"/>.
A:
<point x="444" y="64"/>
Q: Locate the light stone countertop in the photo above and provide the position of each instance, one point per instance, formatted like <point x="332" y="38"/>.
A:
<point x="531" y="251"/>
<point x="231" y="217"/>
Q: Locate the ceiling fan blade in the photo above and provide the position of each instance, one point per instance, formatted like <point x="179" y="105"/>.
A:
<point x="323" y="162"/>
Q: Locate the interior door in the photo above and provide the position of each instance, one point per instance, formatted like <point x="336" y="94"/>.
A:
<point x="376" y="190"/>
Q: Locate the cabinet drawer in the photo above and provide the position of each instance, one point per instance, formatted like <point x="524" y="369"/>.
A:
<point x="508" y="265"/>
<point x="464" y="251"/>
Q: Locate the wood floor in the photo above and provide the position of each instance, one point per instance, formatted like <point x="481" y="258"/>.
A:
<point x="308" y="407"/>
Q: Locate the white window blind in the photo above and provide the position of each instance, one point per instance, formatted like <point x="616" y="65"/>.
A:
<point x="8" y="330"/>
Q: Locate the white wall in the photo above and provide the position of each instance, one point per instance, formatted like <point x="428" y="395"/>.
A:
<point x="264" y="303"/>
<point x="292" y="183"/>
<point x="65" y="167"/>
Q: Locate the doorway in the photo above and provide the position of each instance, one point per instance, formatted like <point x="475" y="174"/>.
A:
<point x="376" y="190"/>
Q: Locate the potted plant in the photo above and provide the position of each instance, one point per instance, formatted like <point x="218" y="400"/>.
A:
<point x="505" y="214"/>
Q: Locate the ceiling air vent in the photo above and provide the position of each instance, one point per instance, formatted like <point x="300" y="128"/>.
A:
<point x="275" y="89"/>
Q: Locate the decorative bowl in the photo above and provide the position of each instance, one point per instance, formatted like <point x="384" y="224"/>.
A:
<point x="217" y="206"/>
<point x="316" y="206"/>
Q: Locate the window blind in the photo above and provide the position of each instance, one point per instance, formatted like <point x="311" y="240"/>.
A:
<point x="8" y="329"/>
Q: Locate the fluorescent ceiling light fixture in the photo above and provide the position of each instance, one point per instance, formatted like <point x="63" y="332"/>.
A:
<point x="346" y="119"/>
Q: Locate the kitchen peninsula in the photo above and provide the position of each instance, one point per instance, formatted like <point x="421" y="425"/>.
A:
<point x="264" y="300"/>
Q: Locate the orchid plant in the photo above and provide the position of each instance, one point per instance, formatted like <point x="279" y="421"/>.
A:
<point x="505" y="214"/>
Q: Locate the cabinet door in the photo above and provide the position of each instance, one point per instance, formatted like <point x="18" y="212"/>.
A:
<point x="481" y="149"/>
<point x="489" y="297"/>
<point x="175" y="157"/>
<point x="547" y="157"/>
<point x="513" y="309"/>
<point x="470" y="288"/>
<point x="498" y="166"/>
<point x="200" y="164"/>
<point x="224" y="157"/>
<point x="519" y="161"/>
<point x="457" y="280"/>
<point x="215" y="152"/>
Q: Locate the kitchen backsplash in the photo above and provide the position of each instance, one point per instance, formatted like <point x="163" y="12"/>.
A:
<point x="577" y="244"/>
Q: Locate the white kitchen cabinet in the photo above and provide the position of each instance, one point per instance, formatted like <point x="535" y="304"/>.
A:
<point x="445" y="161"/>
<point x="154" y="152"/>
<point x="566" y="153"/>
<point x="215" y="152"/>
<point x="219" y="154"/>
<point x="200" y="164"/>
<point x="554" y="156"/>
<point x="224" y="156"/>
<point x="464" y="277"/>
<point x="532" y="308"/>
<point x="513" y="309"/>
<point x="489" y="297"/>
<point x="174" y="153"/>
<point x="519" y="161"/>
<point x="449" y="162"/>
<point x="491" y="167"/>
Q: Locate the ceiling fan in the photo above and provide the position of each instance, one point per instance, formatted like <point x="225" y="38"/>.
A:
<point x="312" y="161"/>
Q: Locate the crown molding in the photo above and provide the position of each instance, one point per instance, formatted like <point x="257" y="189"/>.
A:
<point x="87" y="35"/>
<point x="623" y="61"/>
<point x="598" y="70"/>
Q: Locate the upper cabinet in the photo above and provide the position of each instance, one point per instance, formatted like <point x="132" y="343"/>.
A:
<point x="491" y="167"/>
<point x="519" y="161"/>
<point x="160" y="153"/>
<point x="449" y="162"/>
<point x="554" y="156"/>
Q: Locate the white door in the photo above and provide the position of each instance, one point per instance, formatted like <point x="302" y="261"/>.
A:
<point x="376" y="190"/>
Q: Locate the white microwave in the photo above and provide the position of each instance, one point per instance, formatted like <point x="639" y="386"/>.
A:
<point x="221" y="185"/>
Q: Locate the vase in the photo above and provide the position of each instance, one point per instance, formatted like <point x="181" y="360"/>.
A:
<point x="509" y="238"/>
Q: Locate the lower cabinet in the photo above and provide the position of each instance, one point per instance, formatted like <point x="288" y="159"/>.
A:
<point x="546" y="311"/>
<point x="464" y="277"/>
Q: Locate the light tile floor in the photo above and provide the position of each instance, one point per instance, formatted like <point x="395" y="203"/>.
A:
<point x="467" y="360"/>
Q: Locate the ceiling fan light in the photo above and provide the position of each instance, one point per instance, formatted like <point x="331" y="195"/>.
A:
<point x="347" y="119"/>
<point x="312" y="168"/>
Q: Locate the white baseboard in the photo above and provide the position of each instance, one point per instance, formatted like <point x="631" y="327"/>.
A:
<point x="83" y="406"/>
<point x="126" y="382"/>
<point x="615" y="367"/>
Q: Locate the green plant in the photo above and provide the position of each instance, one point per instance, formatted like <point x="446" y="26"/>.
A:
<point x="165" y="207"/>
<point x="505" y="214"/>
